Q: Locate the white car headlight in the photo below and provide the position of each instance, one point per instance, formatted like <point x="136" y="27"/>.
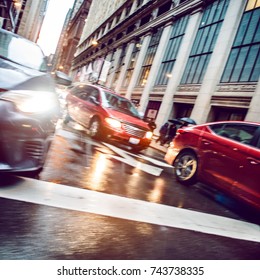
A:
<point x="148" y="135"/>
<point x="31" y="101"/>
<point x="113" y="123"/>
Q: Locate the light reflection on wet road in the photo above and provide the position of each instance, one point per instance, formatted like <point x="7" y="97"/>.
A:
<point x="32" y="231"/>
<point x="77" y="160"/>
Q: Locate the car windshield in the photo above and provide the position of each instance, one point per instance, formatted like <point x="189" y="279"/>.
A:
<point x="21" y="51"/>
<point x="120" y="104"/>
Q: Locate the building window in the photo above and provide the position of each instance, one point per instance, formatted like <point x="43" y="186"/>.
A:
<point x="204" y="42"/>
<point x="130" y="29"/>
<point x="226" y="113"/>
<point x="243" y="64"/>
<point x="112" y="60"/>
<point x="118" y="18"/>
<point x="252" y="4"/>
<point x="130" y="69"/>
<point x="164" y="8"/>
<point x="145" y="20"/>
<point x="109" y="25"/>
<point x="120" y="64"/>
<point x="177" y="33"/>
<point x="150" y="54"/>
<point x="127" y="10"/>
<point x="139" y="3"/>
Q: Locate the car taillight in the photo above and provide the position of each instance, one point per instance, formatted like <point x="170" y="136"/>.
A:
<point x="180" y="130"/>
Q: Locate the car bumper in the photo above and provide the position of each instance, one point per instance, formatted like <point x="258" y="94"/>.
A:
<point x="127" y="139"/>
<point x="24" y="139"/>
<point x="171" y="155"/>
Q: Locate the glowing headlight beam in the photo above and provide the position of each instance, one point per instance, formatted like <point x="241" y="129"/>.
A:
<point x="31" y="101"/>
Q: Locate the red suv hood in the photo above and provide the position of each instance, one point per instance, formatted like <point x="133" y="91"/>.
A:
<point x="126" y="118"/>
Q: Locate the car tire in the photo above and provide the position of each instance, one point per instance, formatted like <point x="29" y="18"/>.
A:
<point x="186" y="167"/>
<point x="95" y="129"/>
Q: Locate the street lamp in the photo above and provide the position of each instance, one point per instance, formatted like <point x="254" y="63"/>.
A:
<point x="17" y="4"/>
<point x="94" y="42"/>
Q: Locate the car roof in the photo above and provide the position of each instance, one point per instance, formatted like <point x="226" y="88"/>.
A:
<point x="229" y="122"/>
<point x="17" y="36"/>
<point x="100" y="87"/>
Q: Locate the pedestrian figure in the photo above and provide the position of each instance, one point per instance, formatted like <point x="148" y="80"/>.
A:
<point x="171" y="133"/>
<point x="163" y="132"/>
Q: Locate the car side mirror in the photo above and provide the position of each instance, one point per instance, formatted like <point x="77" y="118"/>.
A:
<point x="62" y="78"/>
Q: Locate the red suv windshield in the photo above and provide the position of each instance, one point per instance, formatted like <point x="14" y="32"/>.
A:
<point x="119" y="103"/>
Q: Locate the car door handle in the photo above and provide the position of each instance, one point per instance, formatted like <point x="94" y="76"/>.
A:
<point x="253" y="161"/>
<point x="205" y="142"/>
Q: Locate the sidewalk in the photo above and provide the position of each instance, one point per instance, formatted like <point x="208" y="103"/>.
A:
<point x="157" y="146"/>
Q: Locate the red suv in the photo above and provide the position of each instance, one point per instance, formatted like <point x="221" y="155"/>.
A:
<point x="108" y="115"/>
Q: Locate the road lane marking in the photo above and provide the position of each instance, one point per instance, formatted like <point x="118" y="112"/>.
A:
<point x="124" y="156"/>
<point x="127" y="159"/>
<point x="66" y="197"/>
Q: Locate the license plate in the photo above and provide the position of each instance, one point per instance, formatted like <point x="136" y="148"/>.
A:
<point x="134" y="141"/>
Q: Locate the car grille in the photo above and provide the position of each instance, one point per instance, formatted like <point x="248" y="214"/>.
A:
<point x="34" y="149"/>
<point x="134" y="131"/>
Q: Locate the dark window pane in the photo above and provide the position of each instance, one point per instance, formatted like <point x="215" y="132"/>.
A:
<point x="239" y="64"/>
<point x="242" y="30"/>
<point x="204" y="42"/>
<point x="249" y="64"/>
<point x="252" y="28"/>
<point x="209" y="39"/>
<point x="206" y="62"/>
<point x="256" y="70"/>
<point x="230" y="64"/>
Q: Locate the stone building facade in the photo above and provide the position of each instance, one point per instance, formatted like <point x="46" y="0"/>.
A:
<point x="70" y="35"/>
<point x="190" y="58"/>
<point x="24" y="17"/>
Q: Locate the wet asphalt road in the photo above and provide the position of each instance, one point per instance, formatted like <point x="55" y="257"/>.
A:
<point x="37" y="231"/>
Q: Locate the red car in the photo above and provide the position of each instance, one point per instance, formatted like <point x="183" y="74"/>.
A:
<point x="108" y="115"/>
<point x="225" y="155"/>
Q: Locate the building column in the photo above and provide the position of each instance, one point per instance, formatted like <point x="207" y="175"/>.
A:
<point x="218" y="60"/>
<point x="138" y="65"/>
<point x="178" y="69"/>
<point x="134" y="5"/>
<point x="114" y="67"/>
<point x="155" y="66"/>
<point x="254" y="109"/>
<point x="125" y="66"/>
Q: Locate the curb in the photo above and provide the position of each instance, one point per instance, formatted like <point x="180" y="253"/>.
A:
<point x="157" y="146"/>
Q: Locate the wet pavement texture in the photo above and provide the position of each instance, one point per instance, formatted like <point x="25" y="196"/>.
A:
<point x="77" y="160"/>
<point x="39" y="232"/>
<point x="33" y="231"/>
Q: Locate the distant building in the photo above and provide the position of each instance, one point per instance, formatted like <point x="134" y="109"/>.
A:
<point x="70" y="36"/>
<point x="57" y="61"/>
<point x="196" y="58"/>
<point x="24" y="17"/>
<point x="10" y="13"/>
<point x="32" y="19"/>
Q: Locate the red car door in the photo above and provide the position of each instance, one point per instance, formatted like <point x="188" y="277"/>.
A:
<point x="81" y="106"/>
<point x="247" y="184"/>
<point x="219" y="160"/>
<point x="231" y="162"/>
